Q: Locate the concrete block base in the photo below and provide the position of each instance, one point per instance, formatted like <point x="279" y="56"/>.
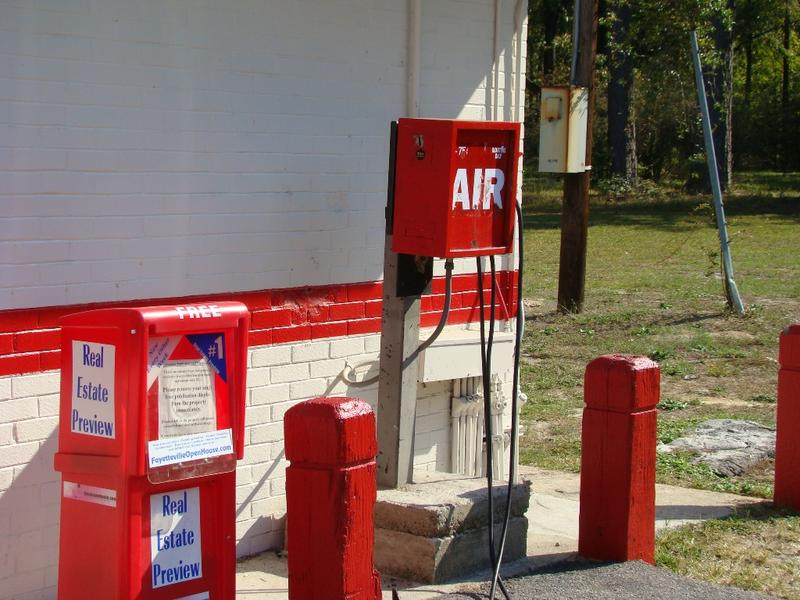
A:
<point x="436" y="530"/>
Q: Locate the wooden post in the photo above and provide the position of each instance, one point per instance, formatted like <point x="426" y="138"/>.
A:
<point x="618" y="459"/>
<point x="575" y="212"/>
<point x="397" y="380"/>
<point x="787" y="450"/>
<point x="330" y="496"/>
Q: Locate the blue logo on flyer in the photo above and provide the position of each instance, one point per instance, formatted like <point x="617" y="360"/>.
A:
<point x="212" y="346"/>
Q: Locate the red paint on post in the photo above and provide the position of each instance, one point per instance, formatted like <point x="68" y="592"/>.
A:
<point x="330" y="495"/>
<point x="787" y="450"/>
<point x="618" y="459"/>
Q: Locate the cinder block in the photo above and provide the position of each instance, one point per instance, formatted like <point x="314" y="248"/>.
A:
<point x="436" y="560"/>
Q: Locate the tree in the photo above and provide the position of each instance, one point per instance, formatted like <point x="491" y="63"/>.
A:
<point x="621" y="121"/>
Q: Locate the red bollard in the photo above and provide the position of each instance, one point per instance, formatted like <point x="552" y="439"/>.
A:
<point x="787" y="450"/>
<point x="330" y="495"/>
<point x="618" y="459"/>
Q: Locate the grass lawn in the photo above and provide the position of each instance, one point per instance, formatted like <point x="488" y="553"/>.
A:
<point x="757" y="549"/>
<point x="653" y="288"/>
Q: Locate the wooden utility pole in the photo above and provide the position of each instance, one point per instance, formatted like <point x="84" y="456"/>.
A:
<point x="575" y="212"/>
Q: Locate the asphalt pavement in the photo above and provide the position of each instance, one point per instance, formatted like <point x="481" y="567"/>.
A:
<point x="584" y="580"/>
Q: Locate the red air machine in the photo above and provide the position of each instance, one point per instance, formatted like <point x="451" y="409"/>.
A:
<point x="455" y="187"/>
<point x="152" y="423"/>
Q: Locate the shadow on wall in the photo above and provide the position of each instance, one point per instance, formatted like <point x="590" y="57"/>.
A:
<point x="29" y="523"/>
<point x="29" y="517"/>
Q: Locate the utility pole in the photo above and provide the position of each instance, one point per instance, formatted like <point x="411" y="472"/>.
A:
<point x="575" y="211"/>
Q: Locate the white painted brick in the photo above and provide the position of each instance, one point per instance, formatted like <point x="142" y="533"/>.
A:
<point x="23" y="582"/>
<point x="266" y="433"/>
<point x="243" y="475"/>
<point x="5" y="388"/>
<point x="36" y="429"/>
<point x="289" y="373"/>
<point x="304" y="390"/>
<point x="182" y="167"/>
<point x="310" y="351"/>
<point x="257" y="377"/>
<point x="253" y="527"/>
<point x="277" y="487"/>
<point x="279" y="410"/>
<point x="49" y="405"/>
<point x="35" y="385"/>
<point x="32" y="520"/>
<point x="6" y="477"/>
<point x="256" y="415"/>
<point x="269" y="394"/>
<point x="271" y="506"/>
<point x="255" y="454"/>
<point x="50" y="581"/>
<point x="327" y="368"/>
<point x="18" y="410"/>
<point x="271" y="356"/>
<point x="277" y="451"/>
<point x="372" y="344"/>
<point x="347" y="347"/>
<point x="7" y="434"/>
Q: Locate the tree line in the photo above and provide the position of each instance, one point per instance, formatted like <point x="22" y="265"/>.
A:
<point x="647" y="123"/>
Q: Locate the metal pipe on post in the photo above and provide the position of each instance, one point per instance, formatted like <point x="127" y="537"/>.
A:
<point x="397" y="387"/>
<point x="731" y="291"/>
<point x="575" y="212"/>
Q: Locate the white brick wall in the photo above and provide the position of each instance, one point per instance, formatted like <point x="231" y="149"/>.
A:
<point x="216" y="146"/>
<point x="152" y="148"/>
<point x="278" y="378"/>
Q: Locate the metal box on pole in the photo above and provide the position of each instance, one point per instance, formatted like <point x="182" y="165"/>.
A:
<point x="562" y="129"/>
<point x="455" y="187"/>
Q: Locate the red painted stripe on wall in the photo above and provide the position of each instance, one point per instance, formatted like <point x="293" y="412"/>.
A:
<point x="29" y="338"/>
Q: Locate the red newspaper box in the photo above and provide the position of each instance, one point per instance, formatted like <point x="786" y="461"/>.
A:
<point x="152" y="423"/>
<point x="455" y="187"/>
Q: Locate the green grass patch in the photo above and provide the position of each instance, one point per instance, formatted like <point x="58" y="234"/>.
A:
<point x="755" y="549"/>
<point x="653" y="289"/>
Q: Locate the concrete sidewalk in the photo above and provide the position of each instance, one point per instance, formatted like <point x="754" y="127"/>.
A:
<point x="552" y="536"/>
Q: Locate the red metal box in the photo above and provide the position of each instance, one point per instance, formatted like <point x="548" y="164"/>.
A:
<point x="152" y="422"/>
<point x="455" y="187"/>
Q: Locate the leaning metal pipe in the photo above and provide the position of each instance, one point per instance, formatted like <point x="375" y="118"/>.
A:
<point x="731" y="290"/>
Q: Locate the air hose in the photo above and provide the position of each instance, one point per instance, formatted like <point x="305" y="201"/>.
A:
<point x="448" y="288"/>
<point x="486" y="364"/>
<point x="512" y="475"/>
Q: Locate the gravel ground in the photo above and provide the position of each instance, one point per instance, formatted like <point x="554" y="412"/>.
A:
<point x="617" y="581"/>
